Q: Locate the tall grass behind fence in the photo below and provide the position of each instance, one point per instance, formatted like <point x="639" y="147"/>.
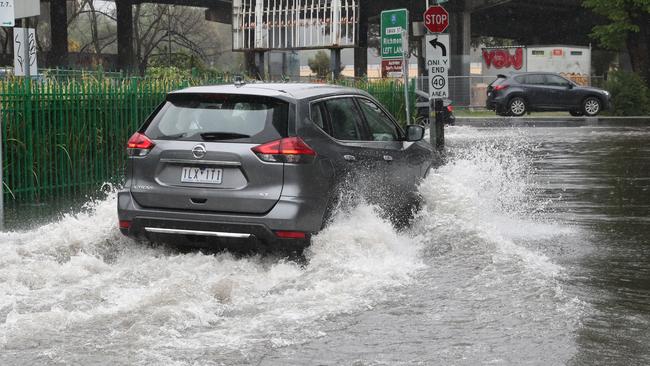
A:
<point x="390" y="93"/>
<point x="63" y="138"/>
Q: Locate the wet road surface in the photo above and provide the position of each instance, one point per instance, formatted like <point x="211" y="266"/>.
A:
<point x="532" y="248"/>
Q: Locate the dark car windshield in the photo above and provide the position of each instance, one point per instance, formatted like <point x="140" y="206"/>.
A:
<point x="219" y="117"/>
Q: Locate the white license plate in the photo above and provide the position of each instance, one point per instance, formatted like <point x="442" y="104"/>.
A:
<point x="201" y="175"/>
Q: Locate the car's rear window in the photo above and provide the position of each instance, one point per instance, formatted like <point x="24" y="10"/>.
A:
<point x="498" y="81"/>
<point x="219" y="117"/>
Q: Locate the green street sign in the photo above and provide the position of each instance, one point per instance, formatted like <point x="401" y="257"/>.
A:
<point x="392" y="24"/>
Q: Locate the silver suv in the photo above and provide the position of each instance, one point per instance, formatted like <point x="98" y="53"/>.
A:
<point x="221" y="166"/>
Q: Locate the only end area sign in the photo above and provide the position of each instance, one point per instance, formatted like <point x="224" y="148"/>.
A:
<point x="438" y="65"/>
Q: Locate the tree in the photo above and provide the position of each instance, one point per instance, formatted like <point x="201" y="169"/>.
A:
<point x="628" y="28"/>
<point x="162" y="33"/>
<point x="92" y="29"/>
<point x="320" y="64"/>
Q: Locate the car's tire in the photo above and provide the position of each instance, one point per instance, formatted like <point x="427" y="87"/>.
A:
<point x="576" y="113"/>
<point x="592" y="106"/>
<point x="517" y="107"/>
<point x="502" y="111"/>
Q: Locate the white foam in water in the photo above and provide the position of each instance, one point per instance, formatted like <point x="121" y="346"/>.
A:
<point x="79" y="273"/>
<point x="78" y="281"/>
<point x="487" y="190"/>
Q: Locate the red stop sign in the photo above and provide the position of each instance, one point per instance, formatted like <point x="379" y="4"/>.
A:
<point x="436" y="19"/>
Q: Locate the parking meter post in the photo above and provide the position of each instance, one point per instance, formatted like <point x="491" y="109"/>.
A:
<point x="439" y="125"/>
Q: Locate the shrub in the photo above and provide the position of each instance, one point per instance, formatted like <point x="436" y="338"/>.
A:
<point x="630" y="95"/>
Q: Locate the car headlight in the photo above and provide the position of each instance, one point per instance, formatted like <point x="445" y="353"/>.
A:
<point x="606" y="92"/>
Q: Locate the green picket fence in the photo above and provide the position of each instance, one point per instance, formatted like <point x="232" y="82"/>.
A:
<point x="63" y="138"/>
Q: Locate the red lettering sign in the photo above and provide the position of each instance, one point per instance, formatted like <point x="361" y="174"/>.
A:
<point x="502" y="59"/>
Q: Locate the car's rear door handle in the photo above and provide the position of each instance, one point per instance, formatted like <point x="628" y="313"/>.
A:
<point x="350" y="158"/>
<point x="388" y="158"/>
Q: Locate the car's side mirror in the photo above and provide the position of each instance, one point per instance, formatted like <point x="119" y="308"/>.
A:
<point x="414" y="133"/>
<point x="570" y="86"/>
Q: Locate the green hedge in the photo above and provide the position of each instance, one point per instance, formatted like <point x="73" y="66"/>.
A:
<point x="630" y="95"/>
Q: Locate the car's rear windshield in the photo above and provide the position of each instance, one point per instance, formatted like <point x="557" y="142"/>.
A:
<point x="219" y="117"/>
<point x="498" y="81"/>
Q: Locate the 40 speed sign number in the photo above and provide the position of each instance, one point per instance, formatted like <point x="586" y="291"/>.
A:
<point x="438" y="82"/>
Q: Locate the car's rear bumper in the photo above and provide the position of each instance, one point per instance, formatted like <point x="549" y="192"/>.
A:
<point x="290" y="214"/>
<point x="494" y="104"/>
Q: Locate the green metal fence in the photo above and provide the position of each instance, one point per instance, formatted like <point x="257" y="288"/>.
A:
<point x="65" y="138"/>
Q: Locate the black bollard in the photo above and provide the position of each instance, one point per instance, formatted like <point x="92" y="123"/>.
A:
<point x="437" y="125"/>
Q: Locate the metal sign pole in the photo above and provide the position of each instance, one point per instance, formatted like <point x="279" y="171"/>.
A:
<point x="405" y="71"/>
<point x="2" y="203"/>
<point x="26" y="47"/>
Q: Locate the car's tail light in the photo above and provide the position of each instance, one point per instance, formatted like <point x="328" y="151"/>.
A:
<point x="125" y="224"/>
<point x="450" y="108"/>
<point x="501" y="87"/>
<point x="287" y="150"/>
<point x="290" y="234"/>
<point x="139" y="145"/>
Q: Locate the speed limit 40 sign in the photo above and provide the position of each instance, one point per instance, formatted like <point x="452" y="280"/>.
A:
<point x="438" y="65"/>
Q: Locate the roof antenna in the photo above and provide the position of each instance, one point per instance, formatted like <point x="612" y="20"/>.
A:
<point x="239" y="81"/>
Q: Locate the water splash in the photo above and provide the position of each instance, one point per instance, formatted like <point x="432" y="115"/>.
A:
<point x="79" y="280"/>
<point x="487" y="190"/>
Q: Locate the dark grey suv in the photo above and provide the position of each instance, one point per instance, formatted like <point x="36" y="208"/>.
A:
<point x="518" y="94"/>
<point x="265" y="163"/>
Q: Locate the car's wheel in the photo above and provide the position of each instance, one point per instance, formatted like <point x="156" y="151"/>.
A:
<point x="517" y="106"/>
<point x="502" y="111"/>
<point x="591" y="106"/>
<point x="576" y="113"/>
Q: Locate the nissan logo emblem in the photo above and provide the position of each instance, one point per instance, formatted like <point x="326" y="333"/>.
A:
<point x="199" y="151"/>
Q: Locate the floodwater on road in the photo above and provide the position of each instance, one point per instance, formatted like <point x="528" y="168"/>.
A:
<point x="531" y="249"/>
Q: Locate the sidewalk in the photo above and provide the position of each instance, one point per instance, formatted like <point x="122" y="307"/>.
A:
<point x="552" y="121"/>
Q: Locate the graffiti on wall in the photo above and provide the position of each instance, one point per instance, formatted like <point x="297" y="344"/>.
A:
<point x="580" y="79"/>
<point x="503" y="59"/>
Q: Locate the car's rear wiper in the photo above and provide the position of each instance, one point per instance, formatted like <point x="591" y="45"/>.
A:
<point x="174" y="137"/>
<point x="223" y="136"/>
